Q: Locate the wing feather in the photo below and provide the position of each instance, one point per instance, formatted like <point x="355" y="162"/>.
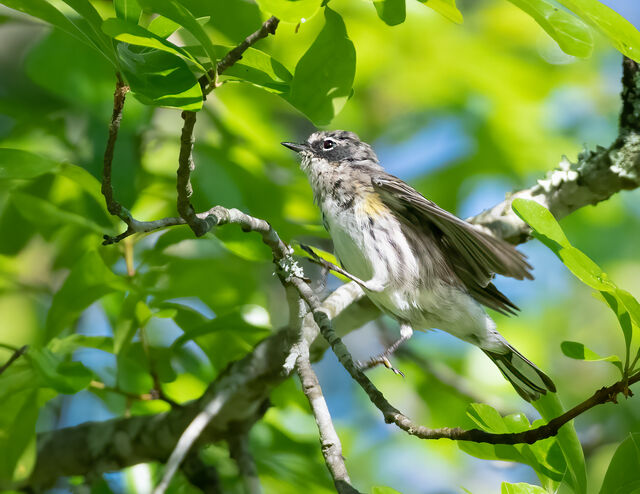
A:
<point x="476" y="255"/>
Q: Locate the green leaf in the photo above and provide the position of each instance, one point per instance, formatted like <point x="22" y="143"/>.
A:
<point x="521" y="488"/>
<point x="133" y="369"/>
<point x="446" y="8"/>
<point x="18" y="416"/>
<point x="623" y="474"/>
<point x="91" y="15"/>
<point x="631" y="304"/>
<point x="163" y="27"/>
<point x="88" y="281"/>
<point x="18" y="164"/>
<point x="126" y="324"/>
<point x="48" y="13"/>
<point x="84" y="180"/>
<point x="64" y="377"/>
<point x="392" y="12"/>
<point x="255" y="67"/>
<point x="572" y="35"/>
<point x="180" y="14"/>
<point x="578" y="351"/>
<point x="40" y="211"/>
<point x="161" y="79"/>
<point x="64" y="347"/>
<point x="383" y="489"/>
<point x="324" y="75"/>
<point x="290" y="10"/>
<point x="541" y="456"/>
<point x="139" y="36"/>
<point x="128" y="10"/>
<point x="623" y="317"/>
<point x="549" y="407"/>
<point x="548" y="231"/>
<point x="226" y="338"/>
<point x="624" y="36"/>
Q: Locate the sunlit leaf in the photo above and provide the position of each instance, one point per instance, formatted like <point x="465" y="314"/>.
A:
<point x="550" y="407"/>
<point x="572" y="35"/>
<point x="579" y="351"/>
<point x="624" y="36"/>
<point x="521" y="488"/>
<point x="623" y="316"/>
<point x="163" y="27"/>
<point x="290" y="10"/>
<point x="324" y="75"/>
<point x="623" y="474"/>
<point x="128" y="10"/>
<point x="446" y="8"/>
<point x="392" y="12"/>
<point x="548" y="231"/>
<point x="255" y="67"/>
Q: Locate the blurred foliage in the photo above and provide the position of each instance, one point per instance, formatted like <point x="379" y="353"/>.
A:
<point x="466" y="110"/>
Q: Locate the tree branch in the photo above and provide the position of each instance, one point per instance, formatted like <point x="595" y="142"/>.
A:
<point x="596" y="176"/>
<point x="239" y="451"/>
<point x="393" y="415"/>
<point x="183" y="183"/>
<point x="268" y="27"/>
<point x="331" y="446"/>
<point x="114" y="207"/>
<point x="199" y="474"/>
<point x="15" y="356"/>
<point x="93" y="448"/>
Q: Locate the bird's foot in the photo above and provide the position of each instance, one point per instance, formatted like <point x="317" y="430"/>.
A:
<point x="382" y="359"/>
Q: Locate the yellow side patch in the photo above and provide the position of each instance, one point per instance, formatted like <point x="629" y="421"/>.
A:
<point x="373" y="206"/>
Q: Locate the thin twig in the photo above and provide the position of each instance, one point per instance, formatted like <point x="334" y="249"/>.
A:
<point x="392" y="415"/>
<point x="114" y="207"/>
<point x="183" y="182"/>
<point x="268" y="27"/>
<point x="331" y="446"/>
<point x="240" y="452"/>
<point x="188" y="438"/>
<point x="15" y="356"/>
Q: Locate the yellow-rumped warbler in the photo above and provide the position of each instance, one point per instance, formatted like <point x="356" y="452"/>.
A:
<point x="423" y="266"/>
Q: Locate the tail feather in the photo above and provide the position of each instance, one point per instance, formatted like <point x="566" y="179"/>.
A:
<point x="529" y="381"/>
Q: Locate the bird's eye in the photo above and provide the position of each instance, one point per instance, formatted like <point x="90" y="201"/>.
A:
<point x="328" y="144"/>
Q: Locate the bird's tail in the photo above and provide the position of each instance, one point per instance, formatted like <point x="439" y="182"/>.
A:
<point x="529" y="381"/>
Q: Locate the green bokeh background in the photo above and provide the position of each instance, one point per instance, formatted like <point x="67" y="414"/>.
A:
<point x="507" y="98"/>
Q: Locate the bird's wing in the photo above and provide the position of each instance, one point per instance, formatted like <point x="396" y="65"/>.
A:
<point x="476" y="255"/>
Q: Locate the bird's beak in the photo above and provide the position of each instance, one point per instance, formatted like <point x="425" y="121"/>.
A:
<point x="298" y="148"/>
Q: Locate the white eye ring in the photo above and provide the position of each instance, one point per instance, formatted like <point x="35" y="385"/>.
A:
<point x="328" y="144"/>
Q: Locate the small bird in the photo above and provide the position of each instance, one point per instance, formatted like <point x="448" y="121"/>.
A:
<point x="418" y="263"/>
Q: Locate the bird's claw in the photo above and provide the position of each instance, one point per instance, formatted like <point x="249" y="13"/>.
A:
<point x="382" y="359"/>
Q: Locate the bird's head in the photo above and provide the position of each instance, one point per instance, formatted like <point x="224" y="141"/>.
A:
<point x="329" y="149"/>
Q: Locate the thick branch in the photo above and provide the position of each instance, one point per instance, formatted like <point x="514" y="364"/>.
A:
<point x="596" y="176"/>
<point x="331" y="446"/>
<point x="96" y="447"/>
